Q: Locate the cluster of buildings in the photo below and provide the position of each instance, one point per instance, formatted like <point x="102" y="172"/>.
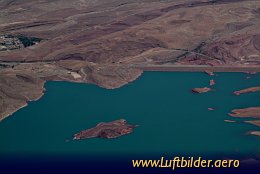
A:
<point x="8" y="43"/>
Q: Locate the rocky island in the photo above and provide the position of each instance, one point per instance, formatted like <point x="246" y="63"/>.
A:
<point x="201" y="90"/>
<point x="211" y="109"/>
<point x="248" y="90"/>
<point x="256" y="133"/>
<point x="109" y="130"/>
<point x="254" y="122"/>
<point x="212" y="82"/>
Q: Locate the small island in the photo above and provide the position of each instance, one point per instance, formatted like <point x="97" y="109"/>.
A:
<point x="201" y="90"/>
<point x="247" y="90"/>
<point x="212" y="82"/>
<point x="107" y="130"/>
<point x="211" y="109"/>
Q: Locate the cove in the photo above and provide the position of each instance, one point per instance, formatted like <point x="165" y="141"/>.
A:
<point x="171" y="118"/>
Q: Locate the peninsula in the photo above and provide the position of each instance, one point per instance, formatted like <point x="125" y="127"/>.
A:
<point x="252" y="112"/>
<point x="248" y="90"/>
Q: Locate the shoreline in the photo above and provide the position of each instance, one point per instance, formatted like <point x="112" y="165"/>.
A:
<point x="23" y="106"/>
<point x="11" y="113"/>
<point x="153" y="68"/>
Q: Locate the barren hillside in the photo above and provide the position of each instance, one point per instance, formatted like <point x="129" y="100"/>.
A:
<point x="110" y="43"/>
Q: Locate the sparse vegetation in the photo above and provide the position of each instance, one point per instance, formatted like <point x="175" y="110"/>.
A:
<point x="28" y="41"/>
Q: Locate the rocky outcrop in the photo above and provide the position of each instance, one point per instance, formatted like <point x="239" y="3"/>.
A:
<point x="253" y="112"/>
<point x="256" y="133"/>
<point x="201" y="90"/>
<point x="247" y="90"/>
<point x="212" y="82"/>
<point x="112" y="129"/>
<point x="211" y="109"/>
<point x="229" y="121"/>
<point x="254" y="122"/>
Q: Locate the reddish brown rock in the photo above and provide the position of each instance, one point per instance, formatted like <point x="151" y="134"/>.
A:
<point x="201" y="90"/>
<point x="256" y="133"/>
<point x="112" y="129"/>
<point x="253" y="112"/>
<point x="211" y="109"/>
<point x="212" y="82"/>
<point x="230" y="121"/>
<point x="247" y="90"/>
<point x="254" y="122"/>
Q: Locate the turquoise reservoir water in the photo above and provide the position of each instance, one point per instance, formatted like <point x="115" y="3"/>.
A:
<point x="171" y="119"/>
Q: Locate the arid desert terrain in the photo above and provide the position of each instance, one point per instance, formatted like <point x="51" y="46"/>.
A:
<point x="110" y="43"/>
